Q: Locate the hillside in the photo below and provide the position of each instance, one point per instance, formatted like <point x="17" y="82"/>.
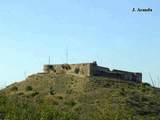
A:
<point x="67" y="97"/>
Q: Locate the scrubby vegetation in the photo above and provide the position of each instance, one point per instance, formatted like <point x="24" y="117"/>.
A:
<point x="29" y="88"/>
<point x="61" y="97"/>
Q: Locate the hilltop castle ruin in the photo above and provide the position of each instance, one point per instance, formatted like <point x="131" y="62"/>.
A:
<point x="92" y="69"/>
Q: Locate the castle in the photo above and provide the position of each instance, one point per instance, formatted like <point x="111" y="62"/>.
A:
<point x="92" y="69"/>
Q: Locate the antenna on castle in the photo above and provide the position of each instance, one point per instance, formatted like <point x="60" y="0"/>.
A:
<point x="49" y="60"/>
<point x="151" y="80"/>
<point x="25" y="74"/>
<point x="67" y="54"/>
<point x="158" y="81"/>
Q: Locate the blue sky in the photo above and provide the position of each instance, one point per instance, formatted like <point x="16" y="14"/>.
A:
<point x="102" y="30"/>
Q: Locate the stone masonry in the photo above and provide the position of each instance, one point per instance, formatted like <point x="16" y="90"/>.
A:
<point x="92" y="69"/>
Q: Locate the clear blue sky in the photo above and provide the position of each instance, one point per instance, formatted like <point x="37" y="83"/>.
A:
<point x="103" y="30"/>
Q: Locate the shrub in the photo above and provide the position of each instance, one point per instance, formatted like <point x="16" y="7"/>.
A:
<point x="54" y="102"/>
<point x="34" y="93"/>
<point x="20" y="93"/>
<point x="2" y="115"/>
<point x="70" y="103"/>
<point x="122" y="92"/>
<point x="29" y="88"/>
<point x="60" y="97"/>
<point x="145" y="84"/>
<point x="70" y="91"/>
<point x="107" y="85"/>
<point x="14" y="88"/>
<point x="2" y="99"/>
<point x="52" y="91"/>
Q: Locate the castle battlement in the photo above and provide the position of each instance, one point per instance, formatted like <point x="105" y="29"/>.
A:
<point x="92" y="69"/>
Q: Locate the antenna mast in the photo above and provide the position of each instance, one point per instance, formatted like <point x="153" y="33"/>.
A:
<point x="151" y="80"/>
<point x="67" y="54"/>
<point x="158" y="81"/>
<point x="25" y="74"/>
<point x="49" y="60"/>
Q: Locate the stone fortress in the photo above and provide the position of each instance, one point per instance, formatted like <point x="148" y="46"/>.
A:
<point x="92" y="69"/>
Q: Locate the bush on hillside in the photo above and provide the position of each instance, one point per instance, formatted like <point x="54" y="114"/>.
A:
<point x="34" y="93"/>
<point x="14" y="88"/>
<point x="52" y="91"/>
<point x="146" y="84"/>
<point x="29" y="88"/>
<point x="70" y="103"/>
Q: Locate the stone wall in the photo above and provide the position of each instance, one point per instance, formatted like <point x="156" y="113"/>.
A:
<point x="131" y="76"/>
<point x="92" y="69"/>
<point x="100" y="71"/>
<point x="78" y="69"/>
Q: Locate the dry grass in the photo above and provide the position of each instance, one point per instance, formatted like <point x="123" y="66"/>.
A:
<point x="94" y="98"/>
